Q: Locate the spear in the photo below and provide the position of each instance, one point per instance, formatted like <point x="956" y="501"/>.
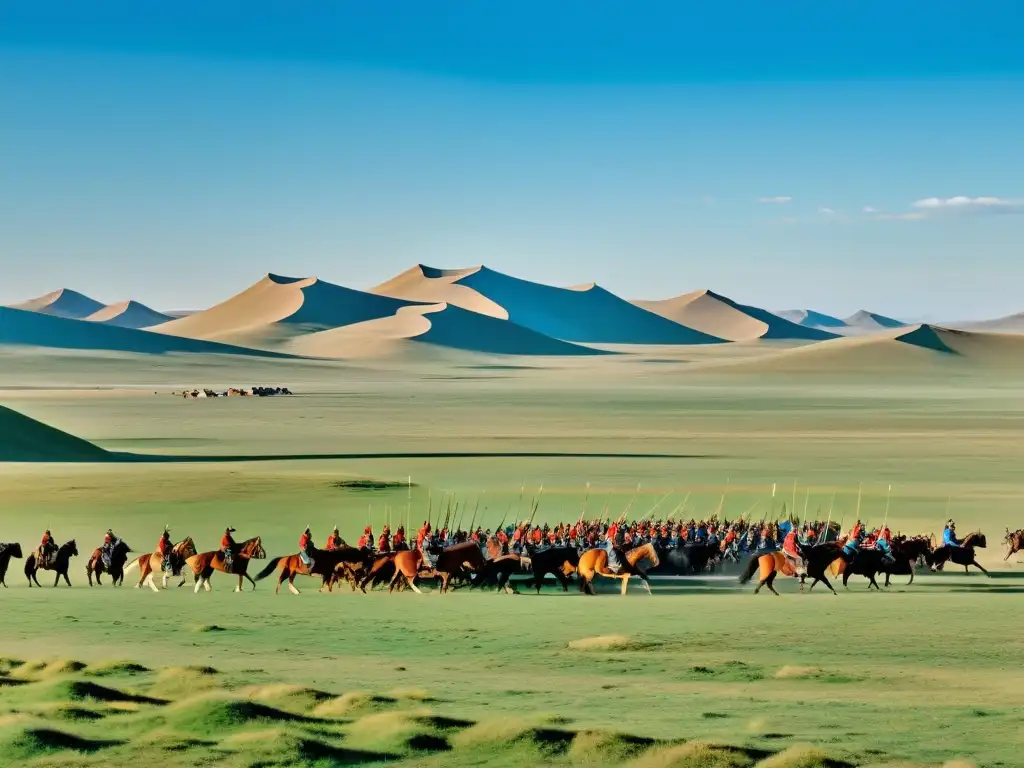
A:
<point x="630" y="505"/>
<point x="586" y="498"/>
<point x="859" y="489"/>
<point x="408" y="505"/>
<point x="536" y="505"/>
<point x="430" y="503"/>
<point x="604" y="512"/>
<point x="502" y="523"/>
<point x="657" y="504"/>
<point x="824" y="532"/>
<point x="793" y="508"/>
<point x="519" y="506"/>
<point x="721" y="502"/>
<point x="473" y="521"/>
<point x="679" y="507"/>
<point x="887" y="497"/>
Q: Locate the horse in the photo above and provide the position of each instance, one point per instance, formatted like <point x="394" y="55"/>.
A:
<point x="325" y="561"/>
<point x="816" y="559"/>
<point x="686" y="561"/>
<point x="906" y="555"/>
<point x="408" y="564"/>
<point x="559" y="561"/>
<point x="59" y="564"/>
<point x="454" y="561"/>
<point x="496" y="573"/>
<point x="595" y="562"/>
<point x="205" y="563"/>
<point x="152" y="562"/>
<point x="962" y="555"/>
<point x="866" y="562"/>
<point x="380" y="570"/>
<point x="7" y="551"/>
<point x="1014" y="541"/>
<point x="118" y="557"/>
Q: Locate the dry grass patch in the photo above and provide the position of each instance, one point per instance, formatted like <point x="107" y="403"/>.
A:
<point x="605" y="643"/>
<point x="794" y="672"/>
<point x="694" y="754"/>
<point x="353" y="703"/>
<point x="802" y="756"/>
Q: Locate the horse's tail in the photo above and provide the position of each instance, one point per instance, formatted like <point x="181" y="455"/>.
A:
<point x="750" y="570"/>
<point x="133" y="564"/>
<point x="271" y="567"/>
<point x="30" y="564"/>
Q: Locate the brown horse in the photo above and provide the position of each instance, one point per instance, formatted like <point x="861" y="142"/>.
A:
<point x="205" y="563"/>
<point x="595" y="562"/>
<point x="407" y="567"/>
<point x="457" y="560"/>
<point x="381" y="569"/>
<point x="325" y="561"/>
<point x="1014" y="541"/>
<point x="816" y="558"/>
<point x="152" y="563"/>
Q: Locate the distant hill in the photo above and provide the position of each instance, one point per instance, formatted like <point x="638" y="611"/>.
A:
<point x="895" y="351"/>
<point x="872" y="321"/>
<point x="1008" y="324"/>
<point x="811" y="319"/>
<point x="25" y="439"/>
<point x="277" y="308"/>
<point x="24" y="328"/>
<point x="62" y="303"/>
<point x="720" y="316"/>
<point x="585" y="314"/>
<point x="128" y="314"/>
<point x="441" y="325"/>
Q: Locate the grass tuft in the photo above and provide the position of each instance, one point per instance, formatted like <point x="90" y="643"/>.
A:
<point x="694" y="754"/>
<point x="802" y="756"/>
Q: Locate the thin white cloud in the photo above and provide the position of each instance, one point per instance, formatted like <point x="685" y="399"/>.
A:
<point x="913" y="216"/>
<point x="788" y="220"/>
<point x="826" y="211"/>
<point x="869" y="209"/>
<point x="965" y="204"/>
<point x="778" y="199"/>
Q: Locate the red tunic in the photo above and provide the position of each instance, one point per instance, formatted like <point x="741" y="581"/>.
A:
<point x="226" y="542"/>
<point x="161" y="546"/>
<point x="303" y="542"/>
<point x="364" y="542"/>
<point x="383" y="543"/>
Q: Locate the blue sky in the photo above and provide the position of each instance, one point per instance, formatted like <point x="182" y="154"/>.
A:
<point x="788" y="154"/>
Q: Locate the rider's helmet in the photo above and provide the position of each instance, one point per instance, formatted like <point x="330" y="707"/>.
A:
<point x="229" y="529"/>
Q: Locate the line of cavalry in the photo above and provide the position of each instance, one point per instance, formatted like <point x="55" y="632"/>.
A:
<point x="481" y="559"/>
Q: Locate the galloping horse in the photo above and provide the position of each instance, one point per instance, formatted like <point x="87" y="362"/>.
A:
<point x="561" y="561"/>
<point x="595" y="562"/>
<point x="816" y="559"/>
<point x="325" y="561"/>
<point x="906" y="555"/>
<point x="7" y="551"/>
<point x="59" y="564"/>
<point x="118" y="557"/>
<point x="456" y="560"/>
<point x="686" y="561"/>
<point x="496" y="573"/>
<point x="205" y="563"/>
<point x="151" y="563"/>
<point x="1014" y="541"/>
<point x="407" y="566"/>
<point x="962" y="555"/>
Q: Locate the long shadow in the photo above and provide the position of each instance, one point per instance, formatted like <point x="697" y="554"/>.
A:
<point x="142" y="458"/>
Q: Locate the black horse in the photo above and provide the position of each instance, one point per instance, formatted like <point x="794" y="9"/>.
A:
<point x="496" y="573"/>
<point x="906" y="555"/>
<point x="59" y="565"/>
<point x="962" y="555"/>
<point x="7" y="551"/>
<point x="867" y="563"/>
<point x="552" y="560"/>
<point x="685" y="561"/>
<point x="118" y="558"/>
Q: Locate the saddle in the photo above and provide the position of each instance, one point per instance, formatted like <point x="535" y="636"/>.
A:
<point x="46" y="558"/>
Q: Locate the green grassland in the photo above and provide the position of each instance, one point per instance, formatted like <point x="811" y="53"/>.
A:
<point x="924" y="674"/>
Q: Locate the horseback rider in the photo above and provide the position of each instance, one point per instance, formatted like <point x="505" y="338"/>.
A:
<point x="305" y="548"/>
<point x="398" y="541"/>
<point x="384" y="542"/>
<point x="613" y="546"/>
<point x="334" y="541"/>
<point x="47" y="548"/>
<point x="164" y="548"/>
<point x="227" y="549"/>
<point x="366" y="540"/>
<point x="849" y="550"/>
<point x="883" y="544"/>
<point x="107" y="549"/>
<point x="949" y="538"/>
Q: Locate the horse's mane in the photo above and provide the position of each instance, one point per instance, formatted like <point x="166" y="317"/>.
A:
<point x="637" y="554"/>
<point x="67" y="545"/>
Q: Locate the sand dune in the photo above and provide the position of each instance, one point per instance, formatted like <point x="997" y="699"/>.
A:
<point x="585" y="314"/>
<point x="893" y="352"/>
<point x="129" y="314"/>
<point x="872" y="321"/>
<point x="440" y="286"/>
<point x="277" y="308"/>
<point x="719" y="316"/>
<point x="25" y="439"/>
<point x="439" y="325"/>
<point x="811" y="319"/>
<point x="1008" y="324"/>
<point x="62" y="303"/>
<point x="24" y="328"/>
